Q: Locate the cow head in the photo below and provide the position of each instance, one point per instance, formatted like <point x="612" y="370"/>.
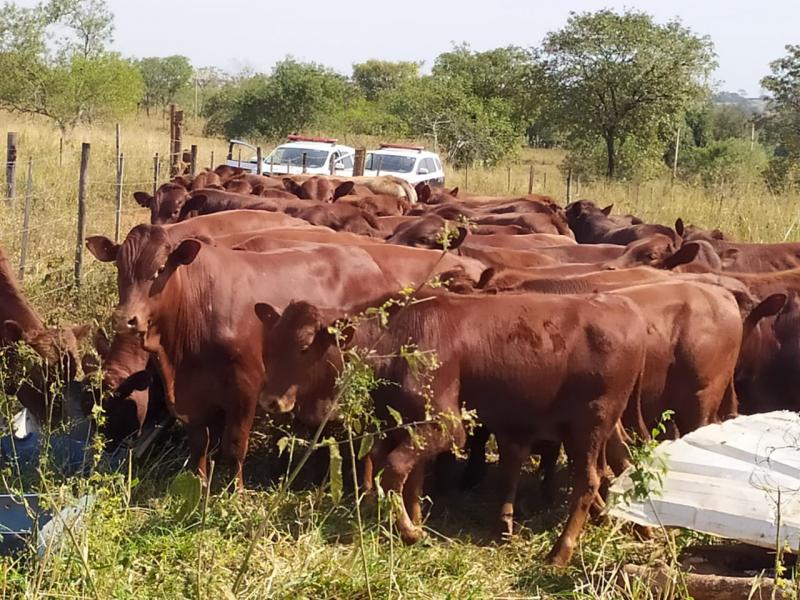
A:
<point x="53" y="363"/>
<point x="239" y="185"/>
<point x="426" y="233"/>
<point x="146" y="262"/>
<point x="299" y="376"/>
<point x="657" y="251"/>
<point x="165" y="206"/>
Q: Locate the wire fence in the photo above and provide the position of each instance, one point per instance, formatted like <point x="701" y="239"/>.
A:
<point x="50" y="203"/>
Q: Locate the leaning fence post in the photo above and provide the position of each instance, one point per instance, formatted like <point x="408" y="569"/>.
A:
<point x="259" y="159"/>
<point x="193" y="160"/>
<point x="81" y="212"/>
<point x="156" y="169"/>
<point x="120" y="174"/>
<point x="26" y="220"/>
<point x="11" y="167"/>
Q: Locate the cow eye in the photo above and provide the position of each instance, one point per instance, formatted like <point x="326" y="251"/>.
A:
<point x="160" y="270"/>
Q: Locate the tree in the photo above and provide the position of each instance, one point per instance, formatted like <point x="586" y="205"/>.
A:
<point x="469" y="128"/>
<point x="375" y="77"/>
<point x="69" y="79"/>
<point x="164" y="78"/>
<point x="509" y="73"/>
<point x="615" y="77"/>
<point x="296" y="96"/>
<point x="783" y="117"/>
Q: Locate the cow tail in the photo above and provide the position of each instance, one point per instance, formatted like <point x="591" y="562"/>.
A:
<point x="632" y="417"/>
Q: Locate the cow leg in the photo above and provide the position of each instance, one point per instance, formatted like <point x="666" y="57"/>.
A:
<point x="235" y="439"/>
<point x="513" y="452"/>
<point x="475" y="470"/>
<point x="412" y="491"/>
<point x="548" y="458"/>
<point x="198" y="438"/>
<point x="587" y="443"/>
<point x="401" y="463"/>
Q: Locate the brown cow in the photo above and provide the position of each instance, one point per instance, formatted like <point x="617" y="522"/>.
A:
<point x="320" y="189"/>
<point x="57" y="347"/>
<point x="532" y="366"/>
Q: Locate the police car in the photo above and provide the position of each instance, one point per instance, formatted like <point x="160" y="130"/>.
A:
<point x="412" y="163"/>
<point x="300" y="154"/>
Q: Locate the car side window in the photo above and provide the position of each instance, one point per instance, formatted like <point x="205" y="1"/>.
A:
<point x="346" y="162"/>
<point x="426" y="165"/>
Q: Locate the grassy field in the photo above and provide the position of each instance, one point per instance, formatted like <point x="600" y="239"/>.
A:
<point x="142" y="541"/>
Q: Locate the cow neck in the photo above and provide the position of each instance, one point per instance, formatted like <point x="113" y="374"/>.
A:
<point x="125" y="357"/>
<point x="184" y="312"/>
<point x="13" y="303"/>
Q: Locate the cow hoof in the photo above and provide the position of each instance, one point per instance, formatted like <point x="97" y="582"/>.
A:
<point x="559" y="557"/>
<point x="412" y="536"/>
<point x="506" y="527"/>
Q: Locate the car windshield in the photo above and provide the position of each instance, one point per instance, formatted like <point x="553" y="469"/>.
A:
<point x="294" y="156"/>
<point x="393" y="163"/>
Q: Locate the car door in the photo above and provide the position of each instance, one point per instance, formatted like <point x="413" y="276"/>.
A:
<point x="344" y="166"/>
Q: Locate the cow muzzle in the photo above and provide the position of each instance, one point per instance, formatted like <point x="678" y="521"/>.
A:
<point x="278" y="404"/>
<point x="125" y="322"/>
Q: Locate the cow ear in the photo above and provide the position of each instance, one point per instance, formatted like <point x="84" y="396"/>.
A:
<point x="195" y="202"/>
<point x="136" y="382"/>
<point x="454" y="192"/>
<point x="186" y="252"/>
<point x="607" y="210"/>
<point x="143" y="198"/>
<point x="102" y="248"/>
<point x="181" y="180"/>
<point x="81" y="331"/>
<point x="101" y="343"/>
<point x="343" y="189"/>
<point x="728" y="257"/>
<point x="267" y="314"/>
<point x="12" y="331"/>
<point x="770" y="306"/>
<point x="485" y="278"/>
<point x="291" y="186"/>
<point x="423" y="192"/>
<point x="459" y="239"/>
<point x="679" y="227"/>
<point x="684" y="255"/>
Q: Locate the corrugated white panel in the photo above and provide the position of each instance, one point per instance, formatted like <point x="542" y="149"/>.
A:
<point x="730" y="480"/>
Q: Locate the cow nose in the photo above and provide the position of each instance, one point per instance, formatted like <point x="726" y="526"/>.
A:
<point x="133" y="322"/>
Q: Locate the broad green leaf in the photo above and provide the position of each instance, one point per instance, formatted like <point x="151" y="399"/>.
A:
<point x="365" y="446"/>
<point x="187" y="488"/>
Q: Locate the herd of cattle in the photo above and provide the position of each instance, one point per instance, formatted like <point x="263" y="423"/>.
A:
<point x="555" y="325"/>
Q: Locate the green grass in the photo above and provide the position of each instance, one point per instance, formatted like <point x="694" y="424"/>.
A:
<point x="136" y="545"/>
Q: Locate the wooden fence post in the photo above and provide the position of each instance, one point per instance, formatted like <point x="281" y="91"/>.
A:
<point x="11" y="167"/>
<point x="117" y="144"/>
<point x="466" y="176"/>
<point x="544" y="182"/>
<point x="212" y="160"/>
<point x="60" y="151"/>
<point x="675" y="157"/>
<point x="193" y="160"/>
<point x="332" y="167"/>
<point x="259" y="161"/>
<point x="305" y="162"/>
<point x="530" y="180"/>
<point x="120" y="175"/>
<point x="359" y="162"/>
<point x="156" y="169"/>
<point x="177" y="144"/>
<point x="569" y="185"/>
<point x="26" y="221"/>
<point x="81" y="212"/>
<point x="508" y="179"/>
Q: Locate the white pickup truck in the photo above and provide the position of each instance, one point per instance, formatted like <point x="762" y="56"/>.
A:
<point x="323" y="156"/>
<point x="412" y="163"/>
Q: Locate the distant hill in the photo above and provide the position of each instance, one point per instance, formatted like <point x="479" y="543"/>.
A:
<point x="752" y="105"/>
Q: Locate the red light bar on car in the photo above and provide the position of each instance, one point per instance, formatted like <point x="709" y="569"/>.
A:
<point x="302" y="138"/>
<point x="403" y="147"/>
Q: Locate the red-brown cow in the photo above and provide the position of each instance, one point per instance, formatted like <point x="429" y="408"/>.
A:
<point x="532" y="366"/>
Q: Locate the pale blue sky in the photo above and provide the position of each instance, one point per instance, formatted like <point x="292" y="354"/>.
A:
<point x="231" y="34"/>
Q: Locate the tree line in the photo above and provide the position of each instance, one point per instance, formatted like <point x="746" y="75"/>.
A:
<point x="623" y="94"/>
